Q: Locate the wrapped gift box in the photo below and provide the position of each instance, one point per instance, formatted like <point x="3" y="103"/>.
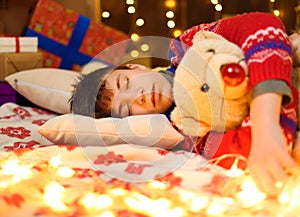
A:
<point x="18" y="44"/>
<point x="14" y="62"/>
<point x="8" y="94"/>
<point x="69" y="40"/>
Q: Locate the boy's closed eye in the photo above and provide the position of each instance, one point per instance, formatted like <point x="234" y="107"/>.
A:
<point x="122" y="82"/>
<point x="123" y="85"/>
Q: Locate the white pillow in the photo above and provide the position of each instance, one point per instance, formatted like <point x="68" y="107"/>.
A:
<point x="144" y="130"/>
<point x="49" y="88"/>
<point x="92" y="66"/>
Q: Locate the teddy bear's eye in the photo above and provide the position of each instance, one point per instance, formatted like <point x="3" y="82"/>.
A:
<point x="204" y="88"/>
<point x="211" y="51"/>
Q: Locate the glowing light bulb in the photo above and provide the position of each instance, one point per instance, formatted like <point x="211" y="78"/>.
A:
<point x="284" y="197"/>
<point x="140" y="22"/>
<point x="186" y="195"/>
<point x="170" y="3"/>
<point x="157" y="185"/>
<point x="145" y="47"/>
<point x="95" y="201"/>
<point x="234" y="171"/>
<point x="218" y="7"/>
<point x="134" y="53"/>
<point x="134" y="37"/>
<point x="105" y="14"/>
<point x="53" y="195"/>
<point x="65" y="172"/>
<point x="55" y="161"/>
<point x="216" y="208"/>
<point x="3" y="184"/>
<point x="131" y="9"/>
<point x="118" y="192"/>
<point x="176" y="32"/>
<point x="171" y="24"/>
<point x="276" y="12"/>
<point x="129" y="2"/>
<point x="250" y="196"/>
<point x="107" y="214"/>
<point x="199" y="203"/>
<point x="16" y="170"/>
<point x="169" y="14"/>
<point x="145" y="204"/>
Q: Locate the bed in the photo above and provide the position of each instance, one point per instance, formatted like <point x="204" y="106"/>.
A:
<point x="54" y="163"/>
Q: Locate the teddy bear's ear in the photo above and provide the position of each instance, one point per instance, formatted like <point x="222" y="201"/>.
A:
<point x="201" y="35"/>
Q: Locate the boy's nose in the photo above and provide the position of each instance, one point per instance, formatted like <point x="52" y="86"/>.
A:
<point x="134" y="96"/>
<point x="140" y="99"/>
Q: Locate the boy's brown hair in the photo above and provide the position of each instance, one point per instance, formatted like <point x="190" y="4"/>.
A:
<point x="90" y="96"/>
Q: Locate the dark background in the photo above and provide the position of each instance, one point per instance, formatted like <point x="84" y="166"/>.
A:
<point x="189" y="13"/>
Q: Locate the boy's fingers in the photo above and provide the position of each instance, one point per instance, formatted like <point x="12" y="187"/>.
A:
<point x="277" y="170"/>
<point x="261" y="178"/>
<point x="264" y="178"/>
<point x="287" y="162"/>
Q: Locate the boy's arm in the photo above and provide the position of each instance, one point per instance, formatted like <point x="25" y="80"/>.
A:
<point x="269" y="156"/>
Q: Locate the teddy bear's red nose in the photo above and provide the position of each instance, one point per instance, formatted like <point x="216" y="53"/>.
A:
<point x="233" y="74"/>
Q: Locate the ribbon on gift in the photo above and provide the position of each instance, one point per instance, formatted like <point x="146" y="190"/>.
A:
<point x="16" y="38"/>
<point x="69" y="53"/>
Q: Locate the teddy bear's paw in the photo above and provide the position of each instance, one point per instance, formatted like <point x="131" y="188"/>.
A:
<point x="296" y="58"/>
<point x="295" y="40"/>
<point x="187" y="124"/>
<point x="176" y="118"/>
<point x="206" y="35"/>
<point x="194" y="128"/>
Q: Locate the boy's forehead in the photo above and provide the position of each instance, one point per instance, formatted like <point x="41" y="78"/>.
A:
<point x="112" y="76"/>
<point x="110" y="80"/>
<point x="115" y="73"/>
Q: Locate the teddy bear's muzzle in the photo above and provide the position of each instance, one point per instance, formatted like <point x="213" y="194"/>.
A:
<point x="233" y="74"/>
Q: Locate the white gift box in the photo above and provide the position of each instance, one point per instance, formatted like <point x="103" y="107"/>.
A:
<point x="18" y="44"/>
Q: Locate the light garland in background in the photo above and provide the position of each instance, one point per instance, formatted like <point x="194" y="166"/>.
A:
<point x="272" y="8"/>
<point x="136" y="23"/>
<point x="218" y="8"/>
<point x="56" y="190"/>
<point x="139" y="22"/>
<point x="218" y="5"/>
<point x="170" y="15"/>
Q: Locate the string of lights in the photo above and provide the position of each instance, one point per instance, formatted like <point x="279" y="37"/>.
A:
<point x="175" y="17"/>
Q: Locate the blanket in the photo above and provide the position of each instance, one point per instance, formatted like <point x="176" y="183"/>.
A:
<point x="38" y="178"/>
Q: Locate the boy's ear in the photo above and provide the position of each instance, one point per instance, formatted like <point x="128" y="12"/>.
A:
<point x="136" y="66"/>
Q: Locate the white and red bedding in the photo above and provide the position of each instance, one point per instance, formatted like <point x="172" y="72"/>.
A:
<point x="39" y="178"/>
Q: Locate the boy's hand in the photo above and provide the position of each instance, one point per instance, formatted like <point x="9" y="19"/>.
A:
<point x="268" y="160"/>
<point x="269" y="156"/>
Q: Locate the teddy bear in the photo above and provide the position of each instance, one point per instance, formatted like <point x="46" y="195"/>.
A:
<point x="210" y="92"/>
<point x="210" y="86"/>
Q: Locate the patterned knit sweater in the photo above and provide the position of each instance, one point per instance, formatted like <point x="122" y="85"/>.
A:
<point x="268" y="54"/>
<point x="263" y="39"/>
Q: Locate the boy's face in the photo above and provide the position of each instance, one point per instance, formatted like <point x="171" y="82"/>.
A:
<point x="138" y="91"/>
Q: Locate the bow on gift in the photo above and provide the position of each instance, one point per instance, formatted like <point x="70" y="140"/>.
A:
<point x="17" y="39"/>
<point x="17" y="44"/>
